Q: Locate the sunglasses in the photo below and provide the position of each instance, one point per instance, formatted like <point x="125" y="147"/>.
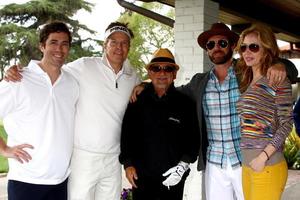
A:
<point x="252" y="47"/>
<point x="157" y="68"/>
<point x="211" y="44"/>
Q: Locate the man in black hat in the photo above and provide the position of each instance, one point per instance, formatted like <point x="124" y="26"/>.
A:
<point x="216" y="93"/>
<point x="159" y="135"/>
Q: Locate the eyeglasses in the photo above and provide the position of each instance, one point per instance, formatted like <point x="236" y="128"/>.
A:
<point x="252" y="47"/>
<point x="115" y="43"/>
<point x="157" y="68"/>
<point x="211" y="44"/>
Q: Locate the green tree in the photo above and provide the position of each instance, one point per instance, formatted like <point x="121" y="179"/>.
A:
<point x="148" y="35"/>
<point x="3" y="160"/>
<point x="20" y="24"/>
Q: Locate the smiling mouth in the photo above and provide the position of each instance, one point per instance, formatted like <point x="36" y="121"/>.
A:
<point x="58" y="56"/>
<point x="248" y="59"/>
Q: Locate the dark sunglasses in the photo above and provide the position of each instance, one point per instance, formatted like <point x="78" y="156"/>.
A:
<point x="252" y="47"/>
<point x="211" y="44"/>
<point x="157" y="68"/>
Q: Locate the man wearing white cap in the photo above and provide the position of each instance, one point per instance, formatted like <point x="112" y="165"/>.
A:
<point x="105" y="87"/>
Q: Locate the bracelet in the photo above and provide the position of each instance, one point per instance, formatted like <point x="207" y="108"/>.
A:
<point x="266" y="154"/>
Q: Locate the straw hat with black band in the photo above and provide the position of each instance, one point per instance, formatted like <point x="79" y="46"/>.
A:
<point x="217" y="29"/>
<point x="163" y="56"/>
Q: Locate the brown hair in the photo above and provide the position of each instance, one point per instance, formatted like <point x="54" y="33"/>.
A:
<point x="270" y="53"/>
<point x="54" y="27"/>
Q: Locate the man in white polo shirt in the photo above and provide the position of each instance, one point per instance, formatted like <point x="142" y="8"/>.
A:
<point x="105" y="87"/>
<point x="38" y="116"/>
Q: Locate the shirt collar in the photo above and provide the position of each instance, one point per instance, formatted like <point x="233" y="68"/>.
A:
<point x="126" y="68"/>
<point x="36" y="68"/>
<point x="230" y="73"/>
<point x="169" y="92"/>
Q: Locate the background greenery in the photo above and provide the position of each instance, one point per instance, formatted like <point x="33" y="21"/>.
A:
<point x="292" y="150"/>
<point x="149" y="35"/>
<point x="20" y="25"/>
<point x="3" y="161"/>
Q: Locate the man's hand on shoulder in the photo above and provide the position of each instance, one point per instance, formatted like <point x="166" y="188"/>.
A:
<point x="276" y="74"/>
<point x="13" y="73"/>
<point x="136" y="91"/>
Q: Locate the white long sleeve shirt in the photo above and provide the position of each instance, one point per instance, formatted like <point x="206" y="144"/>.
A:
<point x="104" y="96"/>
<point x="41" y="114"/>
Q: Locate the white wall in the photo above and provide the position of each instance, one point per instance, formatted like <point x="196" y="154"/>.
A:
<point x="191" y="18"/>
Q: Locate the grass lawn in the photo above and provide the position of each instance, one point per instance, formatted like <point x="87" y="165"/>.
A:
<point x="3" y="161"/>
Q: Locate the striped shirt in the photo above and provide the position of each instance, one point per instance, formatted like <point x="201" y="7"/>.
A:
<point x="222" y="120"/>
<point x="266" y="114"/>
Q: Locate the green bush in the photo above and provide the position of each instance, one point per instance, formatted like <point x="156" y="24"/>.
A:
<point x="292" y="150"/>
<point x="3" y="161"/>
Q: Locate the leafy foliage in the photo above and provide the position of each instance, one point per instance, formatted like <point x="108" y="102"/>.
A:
<point x="3" y="161"/>
<point x="20" y="24"/>
<point x="148" y="35"/>
<point x="292" y="150"/>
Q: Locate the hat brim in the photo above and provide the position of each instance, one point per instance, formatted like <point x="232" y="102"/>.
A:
<point x="203" y="37"/>
<point x="154" y="63"/>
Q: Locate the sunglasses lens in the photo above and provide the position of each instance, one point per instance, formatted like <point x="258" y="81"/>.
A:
<point x="243" y="47"/>
<point x="157" y="69"/>
<point x="254" y="48"/>
<point x="154" y="68"/>
<point x="210" y="45"/>
<point x="169" y="69"/>
<point x="223" y="43"/>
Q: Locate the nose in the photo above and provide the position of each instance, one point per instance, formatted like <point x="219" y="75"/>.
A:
<point x="58" y="47"/>
<point x="162" y="72"/>
<point x="118" y="44"/>
<point x="217" y="46"/>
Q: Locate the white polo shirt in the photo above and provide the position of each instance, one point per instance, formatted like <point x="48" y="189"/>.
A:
<point x="103" y="99"/>
<point x="41" y="114"/>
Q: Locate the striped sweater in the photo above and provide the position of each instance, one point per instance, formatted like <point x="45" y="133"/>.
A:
<point x="266" y="114"/>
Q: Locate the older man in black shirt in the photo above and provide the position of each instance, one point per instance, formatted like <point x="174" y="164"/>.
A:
<point x="159" y="135"/>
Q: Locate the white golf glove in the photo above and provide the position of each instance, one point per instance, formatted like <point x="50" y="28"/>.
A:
<point x="175" y="174"/>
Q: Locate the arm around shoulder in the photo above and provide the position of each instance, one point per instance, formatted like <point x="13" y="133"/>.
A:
<point x="291" y="70"/>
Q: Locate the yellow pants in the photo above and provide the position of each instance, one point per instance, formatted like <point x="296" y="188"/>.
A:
<point x="266" y="185"/>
